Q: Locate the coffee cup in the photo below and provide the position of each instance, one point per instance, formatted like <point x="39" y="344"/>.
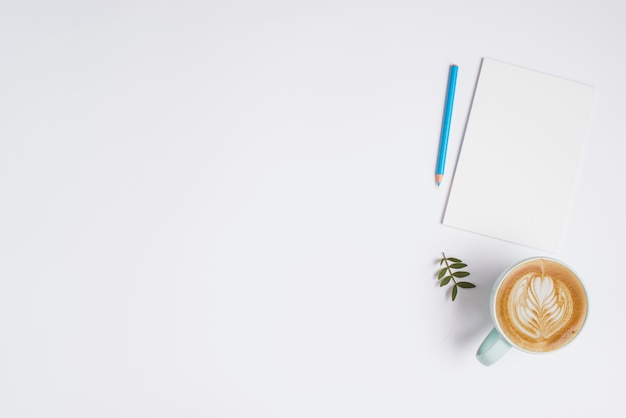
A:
<point x="537" y="305"/>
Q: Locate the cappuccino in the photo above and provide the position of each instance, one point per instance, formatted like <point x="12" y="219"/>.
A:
<point x="540" y="305"/>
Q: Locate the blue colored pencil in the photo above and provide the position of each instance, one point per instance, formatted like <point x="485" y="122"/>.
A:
<point x="445" y="129"/>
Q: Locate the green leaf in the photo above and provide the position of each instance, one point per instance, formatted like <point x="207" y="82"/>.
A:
<point x="442" y="273"/>
<point x="450" y="268"/>
<point x="458" y="265"/>
<point x="466" y="285"/>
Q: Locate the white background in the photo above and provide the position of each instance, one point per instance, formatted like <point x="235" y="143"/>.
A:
<point x="228" y="209"/>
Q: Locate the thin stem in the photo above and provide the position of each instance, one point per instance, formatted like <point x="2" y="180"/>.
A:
<point x="448" y="266"/>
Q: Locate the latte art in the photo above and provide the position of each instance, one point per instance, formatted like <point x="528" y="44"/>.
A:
<point x="539" y="307"/>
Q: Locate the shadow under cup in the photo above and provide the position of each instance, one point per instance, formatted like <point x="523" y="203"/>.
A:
<point x="537" y="305"/>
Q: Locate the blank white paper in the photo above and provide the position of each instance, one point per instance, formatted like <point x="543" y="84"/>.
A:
<point x="519" y="160"/>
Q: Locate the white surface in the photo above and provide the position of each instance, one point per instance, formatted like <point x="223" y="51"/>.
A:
<point x="518" y="166"/>
<point x="228" y="209"/>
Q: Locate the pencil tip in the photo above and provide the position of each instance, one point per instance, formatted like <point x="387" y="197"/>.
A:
<point x="438" y="184"/>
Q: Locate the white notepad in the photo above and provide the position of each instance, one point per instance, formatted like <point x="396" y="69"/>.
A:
<point x="518" y="164"/>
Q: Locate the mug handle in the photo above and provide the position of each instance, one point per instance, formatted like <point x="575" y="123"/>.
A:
<point x="493" y="348"/>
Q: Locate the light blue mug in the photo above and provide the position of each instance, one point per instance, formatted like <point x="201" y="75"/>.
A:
<point x="537" y="305"/>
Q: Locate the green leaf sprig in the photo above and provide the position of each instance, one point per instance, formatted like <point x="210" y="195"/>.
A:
<point x="447" y="274"/>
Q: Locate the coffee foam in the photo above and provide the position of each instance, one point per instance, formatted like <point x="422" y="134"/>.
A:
<point x="540" y="305"/>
